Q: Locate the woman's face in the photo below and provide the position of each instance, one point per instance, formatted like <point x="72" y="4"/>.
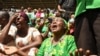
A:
<point x="57" y="25"/>
<point x="3" y="21"/>
<point x="20" y="21"/>
<point x="4" y="18"/>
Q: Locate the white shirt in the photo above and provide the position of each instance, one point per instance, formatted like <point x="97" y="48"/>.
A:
<point x="32" y="33"/>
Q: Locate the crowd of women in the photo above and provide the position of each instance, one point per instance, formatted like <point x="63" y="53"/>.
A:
<point x="38" y="32"/>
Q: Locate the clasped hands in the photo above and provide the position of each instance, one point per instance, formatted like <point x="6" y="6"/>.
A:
<point x="8" y="50"/>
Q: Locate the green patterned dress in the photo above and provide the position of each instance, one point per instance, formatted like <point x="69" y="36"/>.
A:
<point x="62" y="48"/>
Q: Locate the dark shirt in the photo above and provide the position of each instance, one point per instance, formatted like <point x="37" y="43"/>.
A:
<point x="61" y="2"/>
<point x="70" y="4"/>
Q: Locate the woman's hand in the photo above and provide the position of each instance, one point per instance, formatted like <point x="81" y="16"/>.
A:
<point x="13" y="18"/>
<point x="79" y="52"/>
<point x="10" y="50"/>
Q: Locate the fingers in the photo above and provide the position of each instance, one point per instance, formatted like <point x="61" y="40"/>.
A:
<point x="2" y="52"/>
<point x="15" y="15"/>
<point x="76" y="52"/>
<point x="81" y="52"/>
<point x="13" y="18"/>
<point x="18" y="15"/>
<point x="87" y="53"/>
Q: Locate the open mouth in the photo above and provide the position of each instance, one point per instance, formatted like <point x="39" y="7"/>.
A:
<point x="54" y="26"/>
<point x="18" y="24"/>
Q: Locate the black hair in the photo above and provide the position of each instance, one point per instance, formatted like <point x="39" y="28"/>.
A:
<point x="4" y="14"/>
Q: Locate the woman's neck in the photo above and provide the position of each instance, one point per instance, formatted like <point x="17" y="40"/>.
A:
<point x="57" y="36"/>
<point x="24" y="28"/>
<point x="23" y="31"/>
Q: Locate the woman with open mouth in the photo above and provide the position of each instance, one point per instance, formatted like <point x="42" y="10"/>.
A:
<point x="27" y="39"/>
<point x="60" y="44"/>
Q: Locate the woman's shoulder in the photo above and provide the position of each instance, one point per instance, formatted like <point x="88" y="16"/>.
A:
<point x="32" y="29"/>
<point x="47" y="40"/>
<point x="13" y="27"/>
<point x="69" y="37"/>
<point x="12" y="30"/>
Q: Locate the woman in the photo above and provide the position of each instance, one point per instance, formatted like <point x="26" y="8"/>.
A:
<point x="60" y="44"/>
<point x="4" y="19"/>
<point x="25" y="37"/>
<point x="5" y="35"/>
<point x="25" y="34"/>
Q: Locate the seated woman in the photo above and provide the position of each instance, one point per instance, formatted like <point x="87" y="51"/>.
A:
<point x="26" y="38"/>
<point x="60" y="44"/>
<point x="42" y="27"/>
<point x="4" y="19"/>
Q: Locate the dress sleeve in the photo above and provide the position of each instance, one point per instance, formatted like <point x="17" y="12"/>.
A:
<point x="71" y="47"/>
<point x="12" y="31"/>
<point x="36" y="33"/>
<point x="41" y="50"/>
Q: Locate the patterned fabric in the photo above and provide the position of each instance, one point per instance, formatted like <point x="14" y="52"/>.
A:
<point x="62" y="48"/>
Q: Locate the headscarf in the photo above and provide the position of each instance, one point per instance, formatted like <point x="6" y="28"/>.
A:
<point x="24" y="16"/>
